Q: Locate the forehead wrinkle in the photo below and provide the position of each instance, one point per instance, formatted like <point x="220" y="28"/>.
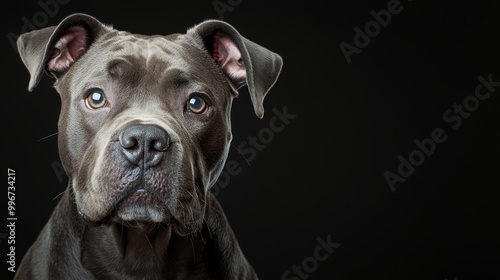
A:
<point x="147" y="63"/>
<point x="155" y="54"/>
<point x="174" y="76"/>
<point x="122" y="43"/>
<point x="118" y="66"/>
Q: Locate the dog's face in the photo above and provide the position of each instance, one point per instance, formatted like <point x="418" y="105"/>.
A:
<point x="144" y="128"/>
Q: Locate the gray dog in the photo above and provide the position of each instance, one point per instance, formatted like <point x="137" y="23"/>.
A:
<point x="144" y="132"/>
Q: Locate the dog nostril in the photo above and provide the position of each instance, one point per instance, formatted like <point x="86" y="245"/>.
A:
<point x="128" y="142"/>
<point x="159" y="145"/>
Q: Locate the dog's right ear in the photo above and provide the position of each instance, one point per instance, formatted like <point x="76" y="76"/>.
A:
<point x="242" y="61"/>
<point x="54" y="49"/>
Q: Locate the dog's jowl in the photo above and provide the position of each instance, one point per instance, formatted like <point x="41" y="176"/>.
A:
<point x="144" y="132"/>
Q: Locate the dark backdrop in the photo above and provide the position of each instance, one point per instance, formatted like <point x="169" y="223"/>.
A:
<point x="347" y="127"/>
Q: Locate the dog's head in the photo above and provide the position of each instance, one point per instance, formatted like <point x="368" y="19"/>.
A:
<point x="144" y="128"/>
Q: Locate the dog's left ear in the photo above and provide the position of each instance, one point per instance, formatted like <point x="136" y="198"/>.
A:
<point x="241" y="60"/>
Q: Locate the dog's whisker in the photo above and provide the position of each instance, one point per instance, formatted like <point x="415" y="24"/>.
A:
<point x="192" y="244"/>
<point x="163" y="226"/>
<point x="239" y="152"/>
<point x="216" y="209"/>
<point x="48" y="136"/>
<point x="186" y="207"/>
<point x="121" y="231"/>
<point x="189" y="209"/>
<point x="61" y="193"/>
<point x="196" y="186"/>
<point x="150" y="245"/>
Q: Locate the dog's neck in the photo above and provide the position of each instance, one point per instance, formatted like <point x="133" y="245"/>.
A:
<point x="133" y="251"/>
<point x="149" y="252"/>
<point x="116" y="251"/>
<point x="155" y="251"/>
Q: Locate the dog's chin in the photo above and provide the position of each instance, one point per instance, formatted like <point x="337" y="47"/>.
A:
<point x="147" y="219"/>
<point x="143" y="210"/>
<point x="141" y="214"/>
<point x="141" y="206"/>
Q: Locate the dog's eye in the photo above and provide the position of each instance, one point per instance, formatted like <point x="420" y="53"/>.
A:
<point x="96" y="100"/>
<point x="197" y="104"/>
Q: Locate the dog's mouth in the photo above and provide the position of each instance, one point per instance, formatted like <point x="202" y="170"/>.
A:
<point x="138" y="206"/>
<point x="141" y="206"/>
<point x="143" y="209"/>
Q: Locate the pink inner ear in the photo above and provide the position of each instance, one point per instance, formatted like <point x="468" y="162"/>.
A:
<point x="228" y="57"/>
<point x="67" y="49"/>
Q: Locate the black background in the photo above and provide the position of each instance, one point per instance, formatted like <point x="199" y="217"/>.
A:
<point x="322" y="176"/>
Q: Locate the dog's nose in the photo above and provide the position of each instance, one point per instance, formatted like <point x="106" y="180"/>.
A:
<point x="144" y="144"/>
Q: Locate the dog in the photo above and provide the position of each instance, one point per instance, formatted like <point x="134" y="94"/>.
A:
<point x="143" y="133"/>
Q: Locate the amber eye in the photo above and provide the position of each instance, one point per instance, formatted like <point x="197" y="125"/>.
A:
<point x="197" y="104"/>
<point x="96" y="99"/>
